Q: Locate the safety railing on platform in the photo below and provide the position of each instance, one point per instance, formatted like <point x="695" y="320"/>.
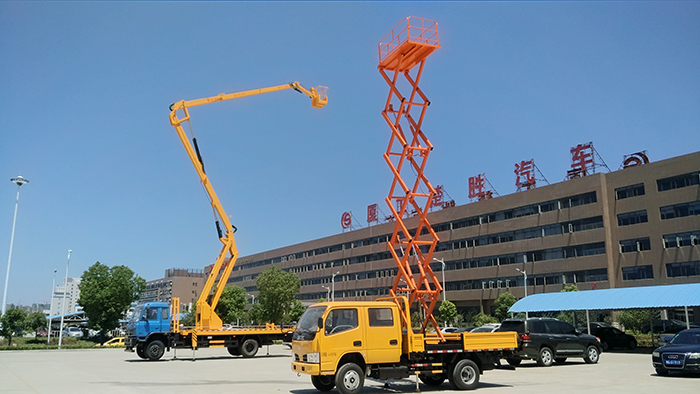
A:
<point x="423" y="31"/>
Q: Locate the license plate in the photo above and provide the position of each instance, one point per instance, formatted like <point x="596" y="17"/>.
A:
<point x="673" y="362"/>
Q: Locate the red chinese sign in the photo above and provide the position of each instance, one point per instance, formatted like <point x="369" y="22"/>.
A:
<point x="346" y="220"/>
<point x="438" y="197"/>
<point x="581" y="157"/>
<point x="476" y="186"/>
<point x="372" y="213"/>
<point x="524" y="174"/>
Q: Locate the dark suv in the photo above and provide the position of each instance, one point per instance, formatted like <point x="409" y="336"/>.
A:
<point x="547" y="340"/>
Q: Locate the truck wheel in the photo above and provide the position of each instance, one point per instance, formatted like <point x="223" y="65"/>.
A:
<point x="592" y="355"/>
<point x="514" y="361"/>
<point x="140" y="352"/>
<point x="465" y="375"/>
<point x="323" y="382"/>
<point x="432" y="379"/>
<point x="234" y="351"/>
<point x="155" y="350"/>
<point x="546" y="358"/>
<point x="350" y="379"/>
<point x="249" y="348"/>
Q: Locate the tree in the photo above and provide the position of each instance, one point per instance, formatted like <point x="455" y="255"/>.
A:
<point x="502" y="304"/>
<point x="190" y="318"/>
<point x="637" y="319"/>
<point x="231" y="304"/>
<point x="277" y="289"/>
<point x="298" y="309"/>
<point x="448" y="312"/>
<point x="482" y="318"/>
<point x="13" y="323"/>
<point x="35" y="322"/>
<point x="106" y="294"/>
<point x="569" y="288"/>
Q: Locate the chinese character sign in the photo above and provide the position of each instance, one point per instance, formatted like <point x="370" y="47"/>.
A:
<point x="438" y="197"/>
<point x="346" y="220"/>
<point x="476" y="186"/>
<point x="372" y="213"/>
<point x="524" y="174"/>
<point x="581" y="157"/>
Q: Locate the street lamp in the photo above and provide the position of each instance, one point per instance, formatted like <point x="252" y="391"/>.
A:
<point x="328" y="292"/>
<point x="19" y="181"/>
<point x="333" y="286"/>
<point x="53" y="287"/>
<point x="63" y="303"/>
<point x="524" y="272"/>
<point x="253" y="296"/>
<point x="442" y="261"/>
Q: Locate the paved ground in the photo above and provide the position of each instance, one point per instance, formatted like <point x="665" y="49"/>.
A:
<point x="107" y="371"/>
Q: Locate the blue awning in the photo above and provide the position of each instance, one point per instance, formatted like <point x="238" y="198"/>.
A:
<point x="649" y="297"/>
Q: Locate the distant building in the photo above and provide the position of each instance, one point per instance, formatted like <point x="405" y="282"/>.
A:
<point x="177" y="282"/>
<point x="72" y="294"/>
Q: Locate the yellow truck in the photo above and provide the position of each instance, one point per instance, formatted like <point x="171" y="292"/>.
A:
<point x="341" y="343"/>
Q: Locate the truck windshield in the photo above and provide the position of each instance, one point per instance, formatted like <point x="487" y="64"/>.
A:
<point x="308" y="324"/>
<point x="136" y="314"/>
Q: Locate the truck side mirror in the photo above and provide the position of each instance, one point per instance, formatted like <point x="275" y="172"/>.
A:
<point x="320" y="323"/>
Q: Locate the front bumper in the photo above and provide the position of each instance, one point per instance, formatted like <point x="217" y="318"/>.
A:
<point x="306" y="368"/>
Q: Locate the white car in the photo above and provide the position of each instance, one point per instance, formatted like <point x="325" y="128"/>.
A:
<point x="74" y="332"/>
<point x="488" y="327"/>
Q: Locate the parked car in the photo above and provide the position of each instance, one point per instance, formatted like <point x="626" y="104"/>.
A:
<point x="682" y="353"/>
<point x="488" y="327"/>
<point x="447" y="330"/>
<point x="668" y="326"/>
<point x="548" y="341"/>
<point x="595" y="325"/>
<point x="114" y="342"/>
<point x="74" y="332"/>
<point x="611" y="337"/>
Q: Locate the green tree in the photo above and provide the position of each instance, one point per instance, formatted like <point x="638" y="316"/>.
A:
<point x="13" y="324"/>
<point x="416" y="319"/>
<point x="482" y="318"/>
<point x="298" y="309"/>
<point x="569" y="288"/>
<point x="448" y="312"/>
<point x="277" y="289"/>
<point x="637" y="319"/>
<point x="255" y="314"/>
<point x="35" y="322"/>
<point x="502" y="304"/>
<point x="231" y="304"/>
<point x="106" y="294"/>
<point x="190" y="318"/>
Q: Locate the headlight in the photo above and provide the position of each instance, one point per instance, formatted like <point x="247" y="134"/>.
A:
<point x="693" y="355"/>
<point x="655" y="354"/>
<point x="313" y="358"/>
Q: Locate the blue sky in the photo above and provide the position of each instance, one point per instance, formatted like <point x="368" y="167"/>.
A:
<point x="85" y="89"/>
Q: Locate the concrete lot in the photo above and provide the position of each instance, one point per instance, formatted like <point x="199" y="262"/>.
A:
<point x="115" y="371"/>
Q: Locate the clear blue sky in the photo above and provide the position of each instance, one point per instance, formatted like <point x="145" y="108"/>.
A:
<point x="85" y="89"/>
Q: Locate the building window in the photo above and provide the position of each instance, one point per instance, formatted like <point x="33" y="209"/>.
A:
<point x="680" y="210"/>
<point x="678" y="181"/>
<point x="637" y="273"/>
<point x="691" y="268"/>
<point x="635" y="245"/>
<point x="629" y="218"/>
<point x="629" y="191"/>
<point x="682" y="239"/>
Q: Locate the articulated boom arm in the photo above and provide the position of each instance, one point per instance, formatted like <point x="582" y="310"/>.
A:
<point x="206" y="317"/>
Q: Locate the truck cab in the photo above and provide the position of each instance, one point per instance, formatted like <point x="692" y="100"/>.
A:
<point x="150" y="322"/>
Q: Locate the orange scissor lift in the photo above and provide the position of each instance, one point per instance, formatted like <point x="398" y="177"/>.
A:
<point x="402" y="53"/>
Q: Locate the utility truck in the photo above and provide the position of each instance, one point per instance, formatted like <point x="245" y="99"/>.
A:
<point x="341" y="343"/>
<point x="155" y="327"/>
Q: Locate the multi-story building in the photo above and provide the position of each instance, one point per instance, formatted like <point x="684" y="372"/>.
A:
<point x="183" y="283"/>
<point x="68" y="291"/>
<point x="638" y="226"/>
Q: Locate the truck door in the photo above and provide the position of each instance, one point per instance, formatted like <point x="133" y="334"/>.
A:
<point x="152" y="320"/>
<point x="383" y="336"/>
<point x="341" y="334"/>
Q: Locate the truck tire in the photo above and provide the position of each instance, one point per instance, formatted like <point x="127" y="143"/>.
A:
<point x="592" y="355"/>
<point x="140" y="352"/>
<point x="465" y="375"/>
<point x="234" y="351"/>
<point x="432" y="379"/>
<point x="546" y="357"/>
<point x="154" y="350"/>
<point x="323" y="382"/>
<point x="249" y="348"/>
<point x="350" y="379"/>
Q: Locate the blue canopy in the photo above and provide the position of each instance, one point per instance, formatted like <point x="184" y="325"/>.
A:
<point x="648" y="297"/>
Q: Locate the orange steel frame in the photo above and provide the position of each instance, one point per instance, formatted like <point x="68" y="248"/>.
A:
<point x="404" y="49"/>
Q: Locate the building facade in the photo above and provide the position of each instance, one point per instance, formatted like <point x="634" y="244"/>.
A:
<point x="71" y="292"/>
<point x="185" y="284"/>
<point x="638" y="226"/>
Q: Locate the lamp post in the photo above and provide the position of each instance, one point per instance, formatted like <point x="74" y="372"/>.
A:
<point x="442" y="261"/>
<point x="253" y="298"/>
<point x="53" y="286"/>
<point x="19" y="181"/>
<point x="63" y="303"/>
<point x="333" y="286"/>
<point x="328" y="292"/>
<point x="524" y="272"/>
